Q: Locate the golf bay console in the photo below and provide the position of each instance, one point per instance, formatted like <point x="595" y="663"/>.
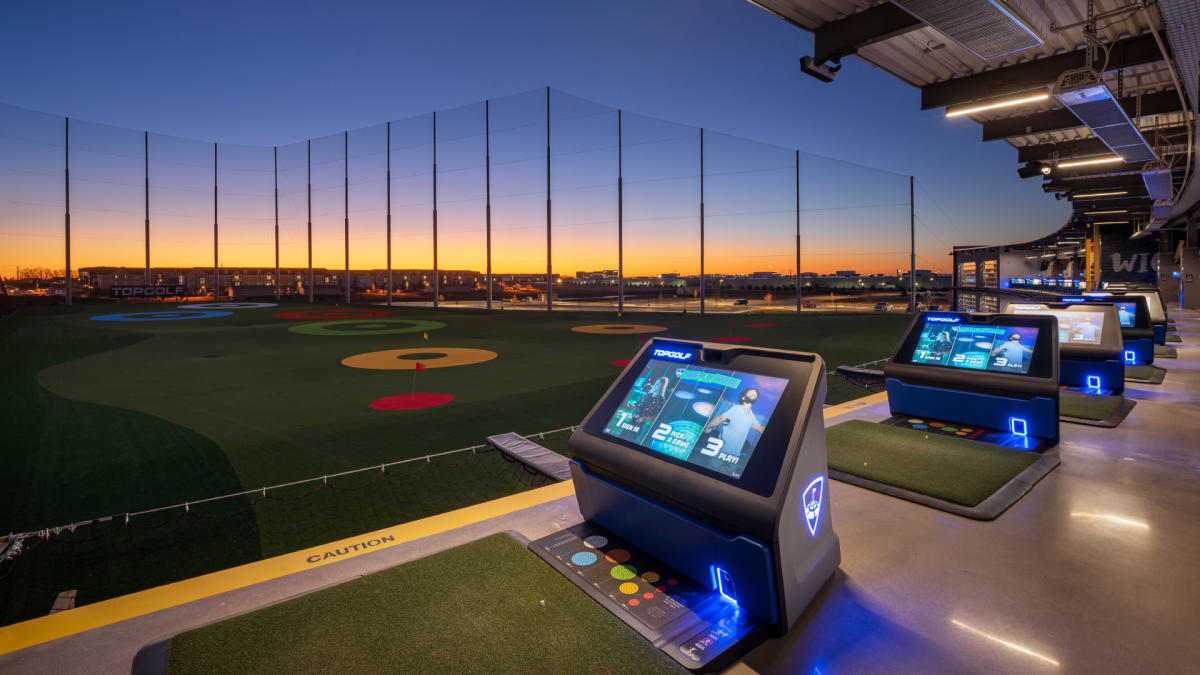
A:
<point x="701" y="474"/>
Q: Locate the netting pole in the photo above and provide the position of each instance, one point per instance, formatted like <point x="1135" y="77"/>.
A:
<point x="389" y="213"/>
<point x="146" y="157"/>
<point x="620" y="220"/>
<point x="701" y="221"/>
<point x="346" y="193"/>
<point x="67" y="204"/>
<point x="275" y="152"/>
<point x="799" y="299"/>
<point x="311" y="289"/>
<point x="487" y="180"/>
<point x="549" y="271"/>
<point x="216" y="256"/>
<point x="912" y="251"/>
<point x="436" y="284"/>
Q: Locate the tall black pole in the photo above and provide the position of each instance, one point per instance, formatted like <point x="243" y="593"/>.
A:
<point x="311" y="290"/>
<point x="346" y="169"/>
<point x="276" y="173"/>
<point x="146" y="144"/>
<point x="702" y="220"/>
<point x="216" y="256"/>
<point x="67" y="206"/>
<point x="549" y="266"/>
<point x="437" y="285"/>
<point x="799" y="299"/>
<point x="912" y="250"/>
<point x="487" y="163"/>
<point x="620" y="221"/>
<point x="389" y="213"/>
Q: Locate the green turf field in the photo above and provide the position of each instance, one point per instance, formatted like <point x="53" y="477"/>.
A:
<point x="109" y="418"/>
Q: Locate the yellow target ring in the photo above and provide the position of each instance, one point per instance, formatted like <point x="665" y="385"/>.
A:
<point x="393" y="359"/>
<point x="618" y="328"/>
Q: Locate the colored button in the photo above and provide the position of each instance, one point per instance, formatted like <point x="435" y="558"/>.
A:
<point x="623" y="572"/>
<point x="584" y="558"/>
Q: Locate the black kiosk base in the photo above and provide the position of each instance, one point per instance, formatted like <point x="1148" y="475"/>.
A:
<point x="702" y="479"/>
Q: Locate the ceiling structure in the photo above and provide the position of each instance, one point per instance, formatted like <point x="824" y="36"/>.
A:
<point x="1130" y="38"/>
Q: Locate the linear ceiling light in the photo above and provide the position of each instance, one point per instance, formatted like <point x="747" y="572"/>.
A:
<point x="1111" y="222"/>
<point x="1042" y="96"/>
<point x="1089" y="162"/>
<point x="1114" y="193"/>
<point x="1101" y="213"/>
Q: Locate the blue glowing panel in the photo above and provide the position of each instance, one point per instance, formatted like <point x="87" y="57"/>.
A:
<point x="811" y="499"/>
<point x="723" y="584"/>
<point x="1093" y="381"/>
<point x="1130" y="356"/>
<point x="1018" y="426"/>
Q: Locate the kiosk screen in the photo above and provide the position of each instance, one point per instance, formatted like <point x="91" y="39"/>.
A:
<point x="1081" y="328"/>
<point x="708" y="417"/>
<point x="1005" y="349"/>
<point x="1126" y="312"/>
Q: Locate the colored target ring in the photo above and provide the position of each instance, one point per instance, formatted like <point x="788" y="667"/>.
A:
<point x="229" y="305"/>
<point x="357" y="327"/>
<point x="332" y="314"/>
<point x="394" y="359"/>
<point x="175" y="315"/>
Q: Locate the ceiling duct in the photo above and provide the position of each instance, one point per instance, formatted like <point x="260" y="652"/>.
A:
<point x="989" y="28"/>
<point x="1083" y="93"/>
<point x="1160" y="183"/>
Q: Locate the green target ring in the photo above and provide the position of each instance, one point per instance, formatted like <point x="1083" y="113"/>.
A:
<point x="357" y="327"/>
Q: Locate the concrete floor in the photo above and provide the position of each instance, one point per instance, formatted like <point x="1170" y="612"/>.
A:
<point x="1094" y="571"/>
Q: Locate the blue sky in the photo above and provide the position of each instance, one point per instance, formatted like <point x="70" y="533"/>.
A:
<point x="274" y="73"/>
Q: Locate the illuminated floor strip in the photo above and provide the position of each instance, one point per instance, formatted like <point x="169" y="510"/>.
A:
<point x="87" y="617"/>
<point x="1006" y="643"/>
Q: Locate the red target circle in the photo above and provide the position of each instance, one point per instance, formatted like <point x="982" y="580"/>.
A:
<point x="411" y="401"/>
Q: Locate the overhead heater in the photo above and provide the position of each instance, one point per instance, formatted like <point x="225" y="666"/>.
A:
<point x="1082" y="92"/>
<point x="989" y="28"/>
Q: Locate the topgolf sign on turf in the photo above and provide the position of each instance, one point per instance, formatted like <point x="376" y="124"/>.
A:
<point x="148" y="291"/>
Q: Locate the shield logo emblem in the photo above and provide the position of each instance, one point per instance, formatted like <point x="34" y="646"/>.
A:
<point x="811" y="500"/>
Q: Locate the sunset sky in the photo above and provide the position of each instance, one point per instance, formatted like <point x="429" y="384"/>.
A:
<point x="251" y="78"/>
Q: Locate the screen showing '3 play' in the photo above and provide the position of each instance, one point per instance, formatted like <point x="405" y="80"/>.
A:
<point x="1005" y="349"/>
<point x="709" y="417"/>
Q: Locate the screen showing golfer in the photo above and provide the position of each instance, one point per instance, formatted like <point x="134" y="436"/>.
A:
<point x="1003" y="349"/>
<point x="708" y="417"/>
<point x="1126" y="313"/>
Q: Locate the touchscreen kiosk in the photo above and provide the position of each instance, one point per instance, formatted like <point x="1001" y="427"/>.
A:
<point x="992" y="372"/>
<point x="1154" y="302"/>
<point x="701" y="474"/>
<point x="1133" y="315"/>
<point x="1089" y="343"/>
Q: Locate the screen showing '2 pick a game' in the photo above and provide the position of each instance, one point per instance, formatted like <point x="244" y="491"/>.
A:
<point x="705" y="416"/>
<point x="1005" y="349"/>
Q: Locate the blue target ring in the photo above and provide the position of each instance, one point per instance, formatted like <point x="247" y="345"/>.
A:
<point x="174" y="315"/>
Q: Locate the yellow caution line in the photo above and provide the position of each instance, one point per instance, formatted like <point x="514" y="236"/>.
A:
<point x="848" y="406"/>
<point x="106" y="612"/>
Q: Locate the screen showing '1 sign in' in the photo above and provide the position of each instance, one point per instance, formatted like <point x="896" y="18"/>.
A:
<point x="1005" y="349"/>
<point x="708" y="417"/>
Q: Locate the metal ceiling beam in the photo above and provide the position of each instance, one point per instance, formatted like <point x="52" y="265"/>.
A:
<point x="1133" y="168"/>
<point x="1056" y="120"/>
<point x="843" y="37"/>
<point x="1104" y="204"/>
<point x="1032" y="74"/>
<point x="1080" y="148"/>
<point x="1059" y="184"/>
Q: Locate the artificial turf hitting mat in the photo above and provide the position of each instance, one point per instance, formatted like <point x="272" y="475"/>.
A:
<point x="1165" y="352"/>
<point x="955" y="474"/>
<point x="1145" y="374"/>
<point x="489" y="606"/>
<point x="1098" y="410"/>
<point x="108" y="418"/>
<point x="1172" y="337"/>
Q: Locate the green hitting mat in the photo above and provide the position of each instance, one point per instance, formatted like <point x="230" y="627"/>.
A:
<point x="1095" y="410"/>
<point x="969" y="478"/>
<point x="1145" y="374"/>
<point x="489" y="606"/>
<point x="1172" y="337"/>
<point x="1165" y="352"/>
